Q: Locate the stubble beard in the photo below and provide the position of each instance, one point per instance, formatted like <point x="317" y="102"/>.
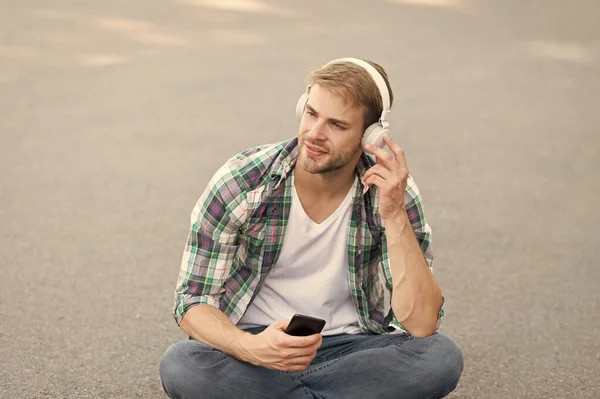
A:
<point x="336" y="162"/>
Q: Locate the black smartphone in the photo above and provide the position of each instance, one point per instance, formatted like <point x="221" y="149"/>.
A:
<point x="302" y="325"/>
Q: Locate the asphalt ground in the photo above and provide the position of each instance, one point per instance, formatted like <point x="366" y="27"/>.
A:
<point x="114" y="115"/>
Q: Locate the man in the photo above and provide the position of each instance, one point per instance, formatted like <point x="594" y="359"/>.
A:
<point x="314" y="225"/>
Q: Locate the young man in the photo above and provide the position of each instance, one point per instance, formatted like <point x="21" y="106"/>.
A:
<point x="314" y="225"/>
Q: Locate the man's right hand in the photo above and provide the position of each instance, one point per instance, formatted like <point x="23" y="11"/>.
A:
<point x="274" y="349"/>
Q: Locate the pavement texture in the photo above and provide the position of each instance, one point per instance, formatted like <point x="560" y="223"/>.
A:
<point x="114" y="115"/>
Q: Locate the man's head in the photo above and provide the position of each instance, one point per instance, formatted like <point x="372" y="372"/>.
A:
<point x="343" y="100"/>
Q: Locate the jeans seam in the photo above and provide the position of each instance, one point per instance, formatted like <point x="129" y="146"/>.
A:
<point x="323" y="366"/>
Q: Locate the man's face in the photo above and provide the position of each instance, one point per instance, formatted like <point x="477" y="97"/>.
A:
<point x="330" y="132"/>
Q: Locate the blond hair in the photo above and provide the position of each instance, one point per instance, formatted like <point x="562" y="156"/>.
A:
<point x="354" y="84"/>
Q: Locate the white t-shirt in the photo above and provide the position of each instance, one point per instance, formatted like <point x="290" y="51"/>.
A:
<point x="311" y="274"/>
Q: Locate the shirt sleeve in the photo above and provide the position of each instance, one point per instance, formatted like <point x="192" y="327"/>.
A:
<point x="211" y="245"/>
<point x="422" y="230"/>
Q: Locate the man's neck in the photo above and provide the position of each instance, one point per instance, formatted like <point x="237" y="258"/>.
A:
<point x="324" y="185"/>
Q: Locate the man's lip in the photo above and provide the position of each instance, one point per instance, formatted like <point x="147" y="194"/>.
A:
<point x="315" y="149"/>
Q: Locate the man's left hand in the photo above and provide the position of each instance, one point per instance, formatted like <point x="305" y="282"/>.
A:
<point x="389" y="175"/>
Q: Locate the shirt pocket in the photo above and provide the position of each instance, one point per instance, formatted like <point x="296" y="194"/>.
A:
<point x="250" y="250"/>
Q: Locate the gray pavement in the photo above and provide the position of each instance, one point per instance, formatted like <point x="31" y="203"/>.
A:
<point x="114" y="115"/>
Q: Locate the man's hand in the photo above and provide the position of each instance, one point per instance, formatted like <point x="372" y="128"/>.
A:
<point x="277" y="350"/>
<point x="390" y="176"/>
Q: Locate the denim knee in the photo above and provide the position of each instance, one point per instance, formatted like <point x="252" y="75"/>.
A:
<point x="175" y="372"/>
<point x="444" y="364"/>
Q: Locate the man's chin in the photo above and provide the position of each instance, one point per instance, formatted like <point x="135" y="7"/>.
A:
<point x="310" y="166"/>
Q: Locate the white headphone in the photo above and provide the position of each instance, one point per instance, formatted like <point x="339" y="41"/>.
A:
<point x="374" y="133"/>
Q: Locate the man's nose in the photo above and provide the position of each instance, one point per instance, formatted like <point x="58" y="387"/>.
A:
<point x="317" y="131"/>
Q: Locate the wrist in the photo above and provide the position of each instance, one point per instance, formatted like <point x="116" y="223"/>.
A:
<point x="243" y="347"/>
<point x="398" y="218"/>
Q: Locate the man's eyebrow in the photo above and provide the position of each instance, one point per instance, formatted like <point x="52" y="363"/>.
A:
<point x="332" y="120"/>
<point x="311" y="109"/>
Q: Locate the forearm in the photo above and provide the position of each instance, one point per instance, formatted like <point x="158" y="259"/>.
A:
<point x="416" y="296"/>
<point x="208" y="324"/>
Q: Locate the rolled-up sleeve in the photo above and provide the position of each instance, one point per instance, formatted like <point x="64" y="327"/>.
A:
<point x="211" y="245"/>
<point x="422" y="230"/>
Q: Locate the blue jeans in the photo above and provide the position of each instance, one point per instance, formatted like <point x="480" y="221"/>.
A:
<point x="346" y="367"/>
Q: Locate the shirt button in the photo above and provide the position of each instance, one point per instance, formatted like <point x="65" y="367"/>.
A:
<point x="360" y="251"/>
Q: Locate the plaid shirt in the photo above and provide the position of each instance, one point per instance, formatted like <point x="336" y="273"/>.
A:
<point x="237" y="230"/>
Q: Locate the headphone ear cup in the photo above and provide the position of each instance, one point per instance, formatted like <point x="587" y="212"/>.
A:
<point x="374" y="134"/>
<point x="301" y="105"/>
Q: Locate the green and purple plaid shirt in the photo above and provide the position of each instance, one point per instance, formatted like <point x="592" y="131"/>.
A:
<point x="237" y="230"/>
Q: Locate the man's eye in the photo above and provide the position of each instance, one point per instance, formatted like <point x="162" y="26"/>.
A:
<point x="338" y="126"/>
<point x="311" y="113"/>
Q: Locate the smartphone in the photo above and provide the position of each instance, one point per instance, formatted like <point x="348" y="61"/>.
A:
<point x="302" y="325"/>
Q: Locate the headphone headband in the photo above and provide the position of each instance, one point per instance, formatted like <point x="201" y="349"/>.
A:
<point x="377" y="78"/>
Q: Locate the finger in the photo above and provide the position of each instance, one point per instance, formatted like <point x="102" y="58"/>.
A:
<point x="293" y="363"/>
<point x="285" y="367"/>
<point x="301" y="361"/>
<point x="397" y="150"/>
<point x="295" y="366"/>
<point x="301" y="342"/>
<point x="293" y="353"/>
<point x="381" y="155"/>
<point x="377" y="181"/>
<point x="378" y="170"/>
<point x="314" y="348"/>
<point x="288" y="354"/>
<point x="309" y="350"/>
